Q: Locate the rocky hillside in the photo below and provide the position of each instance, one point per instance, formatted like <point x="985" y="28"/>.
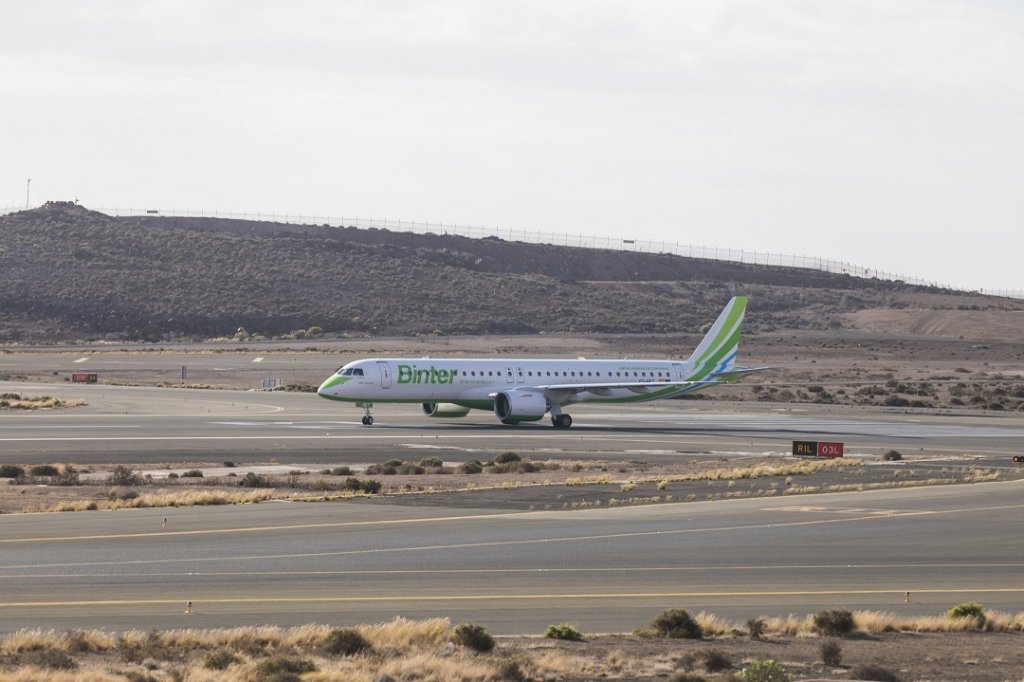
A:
<point x="71" y="273"/>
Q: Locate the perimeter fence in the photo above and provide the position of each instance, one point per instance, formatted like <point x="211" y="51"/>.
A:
<point x="745" y="256"/>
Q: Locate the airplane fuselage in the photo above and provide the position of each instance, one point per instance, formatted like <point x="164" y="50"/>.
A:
<point x="472" y="383"/>
<point x="527" y="389"/>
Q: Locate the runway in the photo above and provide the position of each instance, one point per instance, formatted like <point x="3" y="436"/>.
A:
<point x="155" y="425"/>
<point x="607" y="570"/>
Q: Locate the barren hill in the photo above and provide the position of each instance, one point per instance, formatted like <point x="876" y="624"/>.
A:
<point x="72" y="273"/>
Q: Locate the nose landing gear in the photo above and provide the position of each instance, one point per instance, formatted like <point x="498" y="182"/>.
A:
<point x="368" y="418"/>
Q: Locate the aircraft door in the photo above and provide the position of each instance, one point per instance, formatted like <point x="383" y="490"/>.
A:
<point x="510" y="376"/>
<point x="520" y="377"/>
<point x="385" y="373"/>
<point x="679" y="374"/>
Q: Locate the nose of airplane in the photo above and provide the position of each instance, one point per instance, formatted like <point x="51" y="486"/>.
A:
<point x="329" y="389"/>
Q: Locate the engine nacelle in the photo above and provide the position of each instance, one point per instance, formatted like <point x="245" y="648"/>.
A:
<point x="444" y="410"/>
<point x="520" y="406"/>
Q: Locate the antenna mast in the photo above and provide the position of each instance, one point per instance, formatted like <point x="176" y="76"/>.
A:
<point x="28" y="188"/>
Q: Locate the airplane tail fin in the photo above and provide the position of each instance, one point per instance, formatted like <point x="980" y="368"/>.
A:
<point x="716" y="354"/>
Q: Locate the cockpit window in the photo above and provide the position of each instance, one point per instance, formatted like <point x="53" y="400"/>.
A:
<point x="357" y="372"/>
<point x="350" y="372"/>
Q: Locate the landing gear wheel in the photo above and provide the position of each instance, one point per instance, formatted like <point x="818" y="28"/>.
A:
<point x="562" y="421"/>
<point x="367" y="420"/>
<point x="509" y="422"/>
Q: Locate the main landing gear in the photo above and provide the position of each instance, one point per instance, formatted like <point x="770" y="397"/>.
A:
<point x="368" y="418"/>
<point x="558" y="419"/>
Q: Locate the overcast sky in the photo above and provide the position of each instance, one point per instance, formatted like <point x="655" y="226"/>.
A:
<point x="887" y="134"/>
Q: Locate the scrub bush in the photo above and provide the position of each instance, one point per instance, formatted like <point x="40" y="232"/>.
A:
<point x="756" y="627"/>
<point x="507" y="457"/>
<point x="831" y="652"/>
<point x="123" y="476"/>
<point x="345" y="642"/>
<point x="564" y="632"/>
<point x="676" y="624"/>
<point x="834" y="623"/>
<point x="764" y="670"/>
<point x="11" y="471"/>
<point x="220" y="660"/>
<point x="473" y="636"/>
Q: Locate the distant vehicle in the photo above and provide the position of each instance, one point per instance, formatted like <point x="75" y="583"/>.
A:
<point x="528" y="389"/>
<point x="1018" y="458"/>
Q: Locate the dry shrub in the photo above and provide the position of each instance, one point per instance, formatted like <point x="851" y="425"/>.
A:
<point x="282" y="668"/>
<point x="785" y="625"/>
<point x="346" y="669"/>
<point x="877" y="622"/>
<point x="834" y="623"/>
<point x="473" y="636"/>
<point x="303" y="636"/>
<point x="676" y="624"/>
<point x="73" y="506"/>
<point x="221" y="659"/>
<point x="29" y="640"/>
<point x="253" y="641"/>
<point x="616" y="660"/>
<point x="556" y="662"/>
<point x="345" y="642"/>
<point x="1001" y="621"/>
<point x="87" y="641"/>
<point x="831" y="652"/>
<point x="431" y="666"/>
<point x="712" y="625"/>
<point x="29" y="673"/>
<point x="756" y="627"/>
<point x="402" y="633"/>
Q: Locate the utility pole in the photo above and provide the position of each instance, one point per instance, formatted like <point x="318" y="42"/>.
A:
<point x="28" y="188"/>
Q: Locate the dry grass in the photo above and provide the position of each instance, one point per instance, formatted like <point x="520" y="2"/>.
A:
<point x="801" y="468"/>
<point x="184" y="498"/>
<point x="40" y="403"/>
<point x="714" y="626"/>
<point x="402" y="649"/>
<point x="877" y="622"/>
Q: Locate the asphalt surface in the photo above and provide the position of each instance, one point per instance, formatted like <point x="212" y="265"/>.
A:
<point x="156" y="425"/>
<point x="607" y="570"/>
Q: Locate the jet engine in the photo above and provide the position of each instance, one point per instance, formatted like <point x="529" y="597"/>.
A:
<point x="444" y="410"/>
<point x="519" y="406"/>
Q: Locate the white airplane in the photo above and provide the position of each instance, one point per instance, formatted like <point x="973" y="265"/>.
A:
<point x="527" y="389"/>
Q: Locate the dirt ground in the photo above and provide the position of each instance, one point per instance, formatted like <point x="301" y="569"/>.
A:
<point x="946" y="656"/>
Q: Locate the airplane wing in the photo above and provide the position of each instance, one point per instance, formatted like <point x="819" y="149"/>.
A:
<point x="559" y="392"/>
<point x="740" y="372"/>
